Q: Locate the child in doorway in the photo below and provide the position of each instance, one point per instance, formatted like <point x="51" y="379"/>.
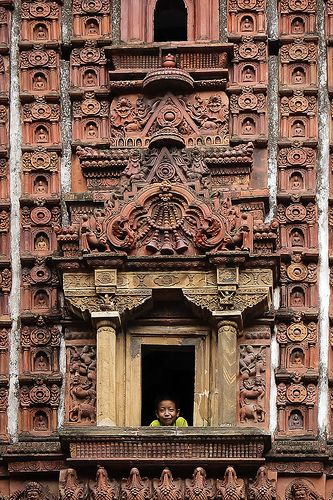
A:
<point x="167" y="413"/>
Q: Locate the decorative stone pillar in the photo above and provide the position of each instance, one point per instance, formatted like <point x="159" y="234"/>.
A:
<point x="227" y="371"/>
<point x="106" y="324"/>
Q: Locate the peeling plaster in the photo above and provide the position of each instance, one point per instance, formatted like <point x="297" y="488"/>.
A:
<point x="322" y="202"/>
<point x="15" y="190"/>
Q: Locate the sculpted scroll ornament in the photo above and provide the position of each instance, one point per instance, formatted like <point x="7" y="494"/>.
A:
<point x="262" y="488"/>
<point x="298" y="51"/>
<point x="103" y="489"/>
<point x="38" y="58"/>
<point x="166" y="489"/>
<point x="135" y="488"/>
<point x="40" y="159"/>
<point x="166" y="219"/>
<point x="90" y="54"/>
<point x="71" y="489"/>
<point x="199" y="489"/>
<point x="229" y="487"/>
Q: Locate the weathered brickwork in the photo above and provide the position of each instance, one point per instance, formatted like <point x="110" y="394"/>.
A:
<point x="193" y="223"/>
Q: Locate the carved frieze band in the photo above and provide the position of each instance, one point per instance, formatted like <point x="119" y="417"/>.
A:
<point x="226" y="289"/>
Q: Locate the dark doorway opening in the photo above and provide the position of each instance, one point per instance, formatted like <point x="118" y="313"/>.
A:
<point x="170" y="21"/>
<point x="165" y="370"/>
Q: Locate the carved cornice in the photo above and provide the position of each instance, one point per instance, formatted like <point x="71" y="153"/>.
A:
<point x="195" y="445"/>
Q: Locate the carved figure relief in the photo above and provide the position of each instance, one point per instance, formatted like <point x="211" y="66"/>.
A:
<point x="82" y="385"/>
<point x="252" y="365"/>
<point x="302" y="489"/>
<point x="34" y="491"/>
<point x="190" y="118"/>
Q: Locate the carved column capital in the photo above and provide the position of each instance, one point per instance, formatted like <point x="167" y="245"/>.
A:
<point x="106" y="320"/>
<point x="227" y="326"/>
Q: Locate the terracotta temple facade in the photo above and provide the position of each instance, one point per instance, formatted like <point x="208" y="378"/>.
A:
<point x="166" y="223"/>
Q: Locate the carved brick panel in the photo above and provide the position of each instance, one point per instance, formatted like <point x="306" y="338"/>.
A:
<point x="298" y="346"/>
<point x="40" y="21"/>
<point x="246" y="18"/>
<point x="40" y="348"/>
<point x="91" y="19"/>
<point x="4" y="127"/>
<point x="4" y="76"/>
<point x="250" y="59"/>
<point x="41" y="123"/>
<point x="90" y="119"/>
<point x="39" y="292"/>
<point x="39" y="403"/>
<point x="248" y="114"/>
<point x="297" y="408"/>
<point x="4" y="354"/>
<point x="5" y="287"/>
<point x="298" y="225"/>
<point x="4" y="231"/>
<point x="40" y="174"/>
<point x="5" y="21"/>
<point x="297" y="18"/>
<point x="39" y="71"/>
<point x="88" y="67"/>
<point x="4" y="179"/>
<point x="298" y="117"/>
<point x="296" y="169"/>
<point x="298" y="64"/>
<point x="38" y="223"/>
<point x="298" y="284"/>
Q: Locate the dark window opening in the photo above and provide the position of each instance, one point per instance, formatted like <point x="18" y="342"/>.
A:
<point x="165" y="370"/>
<point x="170" y="21"/>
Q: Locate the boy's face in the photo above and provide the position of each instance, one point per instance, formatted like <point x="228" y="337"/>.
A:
<point x="167" y="412"/>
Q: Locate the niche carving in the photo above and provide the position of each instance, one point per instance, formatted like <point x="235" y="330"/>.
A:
<point x="41" y="61"/>
<point x="88" y="66"/>
<point x="91" y="19"/>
